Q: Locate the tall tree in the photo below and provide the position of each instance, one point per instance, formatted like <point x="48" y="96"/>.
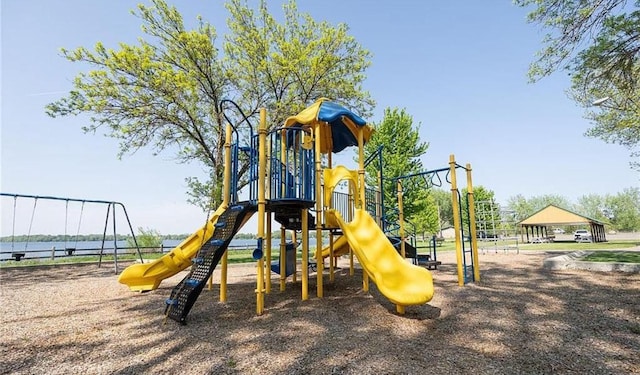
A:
<point x="598" y="43"/>
<point x="286" y="66"/>
<point x="593" y="206"/>
<point x="520" y="206"/>
<point x="539" y="202"/>
<point x="524" y="207"/>
<point x="624" y="209"/>
<point x="400" y="157"/>
<point x="164" y="93"/>
<point x="443" y="205"/>
<point x="147" y="239"/>
<point x="426" y="220"/>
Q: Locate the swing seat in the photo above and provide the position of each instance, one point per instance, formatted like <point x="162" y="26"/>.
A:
<point x="17" y="256"/>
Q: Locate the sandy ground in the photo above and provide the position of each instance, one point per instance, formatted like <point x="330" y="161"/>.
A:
<point x="519" y="319"/>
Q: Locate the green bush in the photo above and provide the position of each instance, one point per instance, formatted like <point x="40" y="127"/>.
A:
<point x="148" y="239"/>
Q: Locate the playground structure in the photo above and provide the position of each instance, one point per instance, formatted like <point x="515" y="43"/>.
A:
<point x="497" y="227"/>
<point x="301" y="195"/>
<point x="465" y="239"/>
<point x="111" y="206"/>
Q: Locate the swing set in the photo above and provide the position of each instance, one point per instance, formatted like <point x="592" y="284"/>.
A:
<point x="70" y="240"/>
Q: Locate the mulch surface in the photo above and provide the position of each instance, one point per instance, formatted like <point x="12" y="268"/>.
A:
<point x="519" y="319"/>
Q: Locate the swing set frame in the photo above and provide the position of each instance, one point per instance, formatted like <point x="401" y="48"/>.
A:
<point x="111" y="212"/>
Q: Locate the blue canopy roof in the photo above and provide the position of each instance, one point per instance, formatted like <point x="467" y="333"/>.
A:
<point x="341" y="124"/>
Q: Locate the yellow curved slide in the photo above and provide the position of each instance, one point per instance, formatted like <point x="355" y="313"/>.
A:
<point x="340" y="247"/>
<point x="401" y="282"/>
<point x="147" y="276"/>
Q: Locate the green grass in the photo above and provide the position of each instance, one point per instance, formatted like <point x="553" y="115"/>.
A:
<point x="245" y="256"/>
<point x="571" y="246"/>
<point x="235" y="256"/>
<point x="62" y="260"/>
<point x="445" y="246"/>
<point x="450" y="245"/>
<point x="613" y="256"/>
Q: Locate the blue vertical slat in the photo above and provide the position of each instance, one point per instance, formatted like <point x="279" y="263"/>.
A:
<point x="233" y="184"/>
<point x="255" y="158"/>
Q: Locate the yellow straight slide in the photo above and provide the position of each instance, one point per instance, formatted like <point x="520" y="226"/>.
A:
<point x="340" y="247"/>
<point x="401" y="282"/>
<point x="147" y="276"/>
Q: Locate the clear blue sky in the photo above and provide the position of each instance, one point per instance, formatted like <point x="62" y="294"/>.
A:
<point x="459" y="67"/>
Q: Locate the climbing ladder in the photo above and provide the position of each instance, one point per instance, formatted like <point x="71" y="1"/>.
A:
<point x="467" y="262"/>
<point x="185" y="294"/>
<point x="467" y="249"/>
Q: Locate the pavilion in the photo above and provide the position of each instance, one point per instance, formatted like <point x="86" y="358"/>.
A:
<point x="539" y="222"/>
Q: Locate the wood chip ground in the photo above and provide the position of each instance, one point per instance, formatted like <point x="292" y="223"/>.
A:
<point x="519" y="319"/>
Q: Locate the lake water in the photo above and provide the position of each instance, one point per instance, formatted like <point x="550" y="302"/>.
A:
<point x="44" y="250"/>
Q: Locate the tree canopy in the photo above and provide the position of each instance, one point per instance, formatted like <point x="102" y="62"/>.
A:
<point x="286" y="66"/>
<point x="444" y="205"/>
<point x="163" y="93"/>
<point x="402" y="149"/>
<point x="525" y="207"/>
<point x="598" y="43"/>
<point x="146" y="238"/>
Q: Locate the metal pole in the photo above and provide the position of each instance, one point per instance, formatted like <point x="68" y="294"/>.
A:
<point x="283" y="258"/>
<point x="305" y="254"/>
<point x="104" y="235"/>
<point x="262" y="163"/>
<point x="115" y="243"/>
<point x="319" y="212"/>
<point x="401" y="219"/>
<point x="133" y="235"/>
<point x="381" y="187"/>
<point x="226" y="196"/>
<point x="456" y="218"/>
<point x="472" y="220"/>
<point x="268" y="255"/>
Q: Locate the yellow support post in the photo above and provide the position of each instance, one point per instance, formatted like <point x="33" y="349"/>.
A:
<point x="267" y="255"/>
<point x="331" y="260"/>
<point x="294" y="276"/>
<point x="319" y="213"/>
<point x="361" y="183"/>
<point x="262" y="165"/>
<point x="305" y="255"/>
<point x="365" y="281"/>
<point x="360" y="190"/>
<point x="351" y="265"/>
<point x="400" y="309"/>
<point x="226" y="192"/>
<point x="472" y="220"/>
<point x="223" y="277"/>
<point x="379" y="201"/>
<point x="455" y="205"/>
<point x="352" y="193"/>
<point x="283" y="259"/>
<point x="401" y="219"/>
<point x="331" y="266"/>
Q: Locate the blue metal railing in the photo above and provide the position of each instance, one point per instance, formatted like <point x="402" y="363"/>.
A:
<point x="371" y="203"/>
<point x="290" y="173"/>
<point x="342" y="203"/>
